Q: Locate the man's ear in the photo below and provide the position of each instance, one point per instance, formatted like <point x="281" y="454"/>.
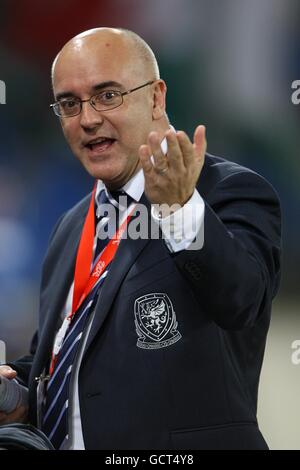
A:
<point x="159" y="99"/>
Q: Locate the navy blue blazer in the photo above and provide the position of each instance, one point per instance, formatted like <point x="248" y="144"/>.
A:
<point x="175" y="351"/>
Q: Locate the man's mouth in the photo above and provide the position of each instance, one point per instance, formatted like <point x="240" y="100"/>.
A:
<point x="99" y="145"/>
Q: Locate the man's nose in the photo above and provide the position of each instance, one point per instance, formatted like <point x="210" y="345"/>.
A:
<point x="89" y="117"/>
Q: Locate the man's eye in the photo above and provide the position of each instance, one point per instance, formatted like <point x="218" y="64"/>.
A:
<point x="68" y="104"/>
<point x="108" y="96"/>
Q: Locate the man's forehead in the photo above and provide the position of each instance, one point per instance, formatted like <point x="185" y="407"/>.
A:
<point x="92" y="71"/>
<point x="79" y="80"/>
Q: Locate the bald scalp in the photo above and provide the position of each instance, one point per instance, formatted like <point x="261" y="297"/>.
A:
<point x="140" y="51"/>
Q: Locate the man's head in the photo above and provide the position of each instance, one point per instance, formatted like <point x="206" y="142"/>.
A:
<point x="110" y="59"/>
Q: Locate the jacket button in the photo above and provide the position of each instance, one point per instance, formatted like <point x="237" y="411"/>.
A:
<point x="94" y="394"/>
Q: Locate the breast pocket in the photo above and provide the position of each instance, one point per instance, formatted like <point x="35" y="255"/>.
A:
<point x="152" y="299"/>
<point x="157" y="275"/>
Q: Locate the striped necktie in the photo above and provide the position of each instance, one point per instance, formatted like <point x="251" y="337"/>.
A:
<point x="104" y="225"/>
<point x="55" y="412"/>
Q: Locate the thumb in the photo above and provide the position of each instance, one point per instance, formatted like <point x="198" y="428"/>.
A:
<point x="8" y="372"/>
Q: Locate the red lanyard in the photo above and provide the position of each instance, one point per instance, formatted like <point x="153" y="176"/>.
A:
<point x="84" y="278"/>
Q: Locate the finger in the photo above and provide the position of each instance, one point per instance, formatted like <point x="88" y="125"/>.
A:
<point x="159" y="159"/>
<point x="186" y="148"/>
<point x="145" y="159"/>
<point x="175" y="159"/>
<point x="200" y="143"/>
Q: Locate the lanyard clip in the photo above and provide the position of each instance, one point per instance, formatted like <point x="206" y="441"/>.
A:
<point x="42" y="378"/>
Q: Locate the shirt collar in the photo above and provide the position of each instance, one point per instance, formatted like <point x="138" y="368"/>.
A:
<point x="133" y="188"/>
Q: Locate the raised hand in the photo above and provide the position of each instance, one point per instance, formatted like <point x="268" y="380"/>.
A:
<point x="173" y="177"/>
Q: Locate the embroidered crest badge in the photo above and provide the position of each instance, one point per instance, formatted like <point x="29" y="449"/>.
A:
<point x="155" y="321"/>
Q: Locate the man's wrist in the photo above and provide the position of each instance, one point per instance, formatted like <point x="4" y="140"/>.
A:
<point x="182" y="226"/>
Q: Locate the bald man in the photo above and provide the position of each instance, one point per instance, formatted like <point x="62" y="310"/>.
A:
<point x="157" y="341"/>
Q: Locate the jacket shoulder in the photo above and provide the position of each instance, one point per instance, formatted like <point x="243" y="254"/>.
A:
<point x="219" y="167"/>
<point x="218" y="170"/>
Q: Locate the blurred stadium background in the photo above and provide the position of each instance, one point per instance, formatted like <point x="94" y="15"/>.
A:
<point x="228" y="65"/>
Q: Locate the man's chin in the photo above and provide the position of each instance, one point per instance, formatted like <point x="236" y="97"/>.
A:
<point x="98" y="166"/>
<point x="105" y="171"/>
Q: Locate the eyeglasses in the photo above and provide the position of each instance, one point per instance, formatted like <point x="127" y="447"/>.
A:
<point x="104" y="101"/>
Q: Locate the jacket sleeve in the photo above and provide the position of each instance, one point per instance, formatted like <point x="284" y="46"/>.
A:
<point x="236" y="274"/>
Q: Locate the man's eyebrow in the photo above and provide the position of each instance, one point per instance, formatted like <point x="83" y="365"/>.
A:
<point x="110" y="83"/>
<point x="98" y="87"/>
